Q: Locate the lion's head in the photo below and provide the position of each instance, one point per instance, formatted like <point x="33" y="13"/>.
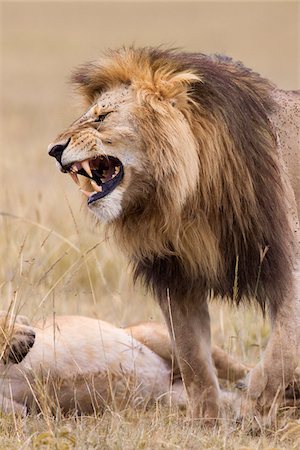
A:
<point x="137" y="122"/>
<point x="180" y="156"/>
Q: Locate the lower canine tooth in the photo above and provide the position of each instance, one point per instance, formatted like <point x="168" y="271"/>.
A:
<point x="87" y="193"/>
<point x="74" y="177"/>
<point x="95" y="186"/>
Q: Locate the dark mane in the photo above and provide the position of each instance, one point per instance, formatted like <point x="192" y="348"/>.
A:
<point x="238" y="204"/>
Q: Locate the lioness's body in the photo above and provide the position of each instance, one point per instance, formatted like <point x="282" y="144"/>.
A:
<point x="83" y="364"/>
<point x="86" y="365"/>
<point x="206" y="198"/>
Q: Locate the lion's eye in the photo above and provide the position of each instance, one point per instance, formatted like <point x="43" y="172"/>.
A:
<point x="101" y="117"/>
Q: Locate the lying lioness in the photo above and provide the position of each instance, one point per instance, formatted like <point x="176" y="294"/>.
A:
<point x="84" y="364"/>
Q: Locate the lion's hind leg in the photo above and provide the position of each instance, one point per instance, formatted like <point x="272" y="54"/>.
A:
<point x="266" y="382"/>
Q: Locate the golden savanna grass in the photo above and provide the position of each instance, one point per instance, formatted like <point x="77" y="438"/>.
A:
<point x="54" y="261"/>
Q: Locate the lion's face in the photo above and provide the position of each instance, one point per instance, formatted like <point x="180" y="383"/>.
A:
<point x="103" y="146"/>
<point x="130" y="145"/>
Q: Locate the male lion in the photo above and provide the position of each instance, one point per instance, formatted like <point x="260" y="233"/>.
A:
<point x="194" y="163"/>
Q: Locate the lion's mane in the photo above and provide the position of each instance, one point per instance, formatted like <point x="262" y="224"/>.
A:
<point x="210" y="209"/>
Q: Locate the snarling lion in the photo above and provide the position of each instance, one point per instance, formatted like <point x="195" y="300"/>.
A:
<point x="194" y="163"/>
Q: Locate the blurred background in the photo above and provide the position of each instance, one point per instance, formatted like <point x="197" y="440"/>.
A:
<point x="53" y="258"/>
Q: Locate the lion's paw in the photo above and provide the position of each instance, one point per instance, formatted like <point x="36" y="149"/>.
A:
<point x="257" y="382"/>
<point x="261" y="393"/>
<point x="18" y="343"/>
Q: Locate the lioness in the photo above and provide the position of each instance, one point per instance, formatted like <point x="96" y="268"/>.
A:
<point x="84" y="365"/>
<point x="193" y="162"/>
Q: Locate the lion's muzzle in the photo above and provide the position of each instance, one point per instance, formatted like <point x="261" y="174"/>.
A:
<point x="57" y="150"/>
<point x="104" y="172"/>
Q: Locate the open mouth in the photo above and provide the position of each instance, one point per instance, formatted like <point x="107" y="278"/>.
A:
<point x="104" y="172"/>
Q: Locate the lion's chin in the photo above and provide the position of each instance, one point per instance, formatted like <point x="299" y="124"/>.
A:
<point x="108" y="208"/>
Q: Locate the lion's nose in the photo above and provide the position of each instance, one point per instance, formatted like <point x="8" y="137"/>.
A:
<point x="57" y="150"/>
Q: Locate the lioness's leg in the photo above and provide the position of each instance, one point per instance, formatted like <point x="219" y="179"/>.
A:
<point x="189" y="327"/>
<point x="9" y="406"/>
<point x="156" y="337"/>
<point x="227" y="367"/>
<point x="16" y="339"/>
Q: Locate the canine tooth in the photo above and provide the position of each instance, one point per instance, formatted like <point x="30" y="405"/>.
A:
<point x="88" y="194"/>
<point x="86" y="166"/>
<point x="74" y="168"/>
<point x="74" y="177"/>
<point x="117" y="170"/>
<point x="95" y="186"/>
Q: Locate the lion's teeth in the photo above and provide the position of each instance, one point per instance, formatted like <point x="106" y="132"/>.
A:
<point x="86" y="166"/>
<point x="95" y="186"/>
<point x="117" y="170"/>
<point x="74" y="168"/>
<point x="74" y="177"/>
<point x="87" y="193"/>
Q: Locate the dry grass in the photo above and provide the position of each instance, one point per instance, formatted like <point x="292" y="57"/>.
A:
<point x="154" y="429"/>
<point x="53" y="259"/>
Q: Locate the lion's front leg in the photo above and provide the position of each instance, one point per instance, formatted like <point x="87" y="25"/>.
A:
<point x="189" y="327"/>
<point x="267" y="381"/>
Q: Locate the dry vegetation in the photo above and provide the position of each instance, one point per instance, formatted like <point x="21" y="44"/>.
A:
<point x="54" y="260"/>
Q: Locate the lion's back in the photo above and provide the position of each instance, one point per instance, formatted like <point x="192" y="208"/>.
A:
<point x="287" y="122"/>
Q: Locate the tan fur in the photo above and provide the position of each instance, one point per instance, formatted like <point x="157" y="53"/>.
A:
<point x="156" y="337"/>
<point x="209" y="204"/>
<point x="86" y="365"/>
<point x="81" y="364"/>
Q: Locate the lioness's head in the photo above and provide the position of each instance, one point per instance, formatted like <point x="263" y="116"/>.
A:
<point x="134" y="143"/>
